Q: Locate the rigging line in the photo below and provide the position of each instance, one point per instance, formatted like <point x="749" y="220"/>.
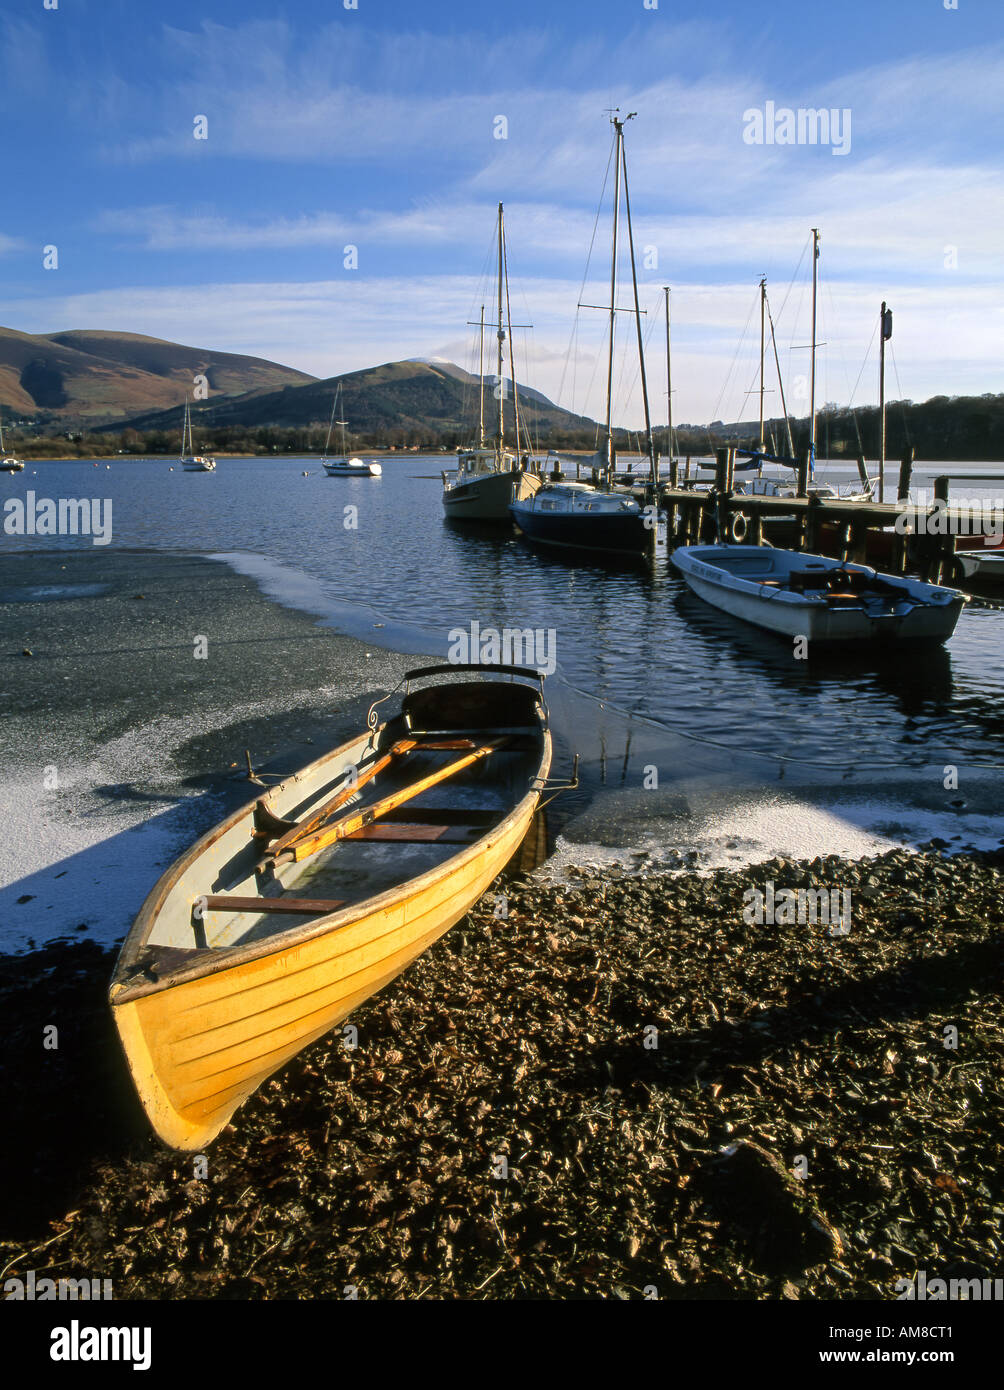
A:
<point x="854" y="392"/>
<point x="637" y="313"/>
<point x="532" y="439"/>
<point x="732" y="368"/>
<point x="902" y="403"/>
<point x="794" y="279"/>
<point x="780" y="382"/>
<point x="585" y="274"/>
<point x="512" y="359"/>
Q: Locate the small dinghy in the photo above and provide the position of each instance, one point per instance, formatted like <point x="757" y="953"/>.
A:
<point x="982" y="566"/>
<point x="297" y="908"/>
<point x="812" y="596"/>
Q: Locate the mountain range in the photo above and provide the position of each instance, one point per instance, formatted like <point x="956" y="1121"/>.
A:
<point x="116" y="381"/>
<point x="93" y="377"/>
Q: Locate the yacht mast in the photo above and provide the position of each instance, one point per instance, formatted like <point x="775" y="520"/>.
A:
<point x="669" y="386"/>
<point x="619" y="129"/>
<point x="481" y="383"/>
<point x="501" y="343"/>
<point x="885" y="334"/>
<point x="512" y="357"/>
<point x="763" y="304"/>
<point x="650" y="444"/>
<point x="812" y="365"/>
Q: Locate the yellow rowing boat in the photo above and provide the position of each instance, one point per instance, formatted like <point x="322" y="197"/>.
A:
<point x="279" y="922"/>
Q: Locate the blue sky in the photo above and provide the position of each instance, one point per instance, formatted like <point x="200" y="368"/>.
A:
<point x="375" y="127"/>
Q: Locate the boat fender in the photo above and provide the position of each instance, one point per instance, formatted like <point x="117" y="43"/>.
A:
<point x="738" y="528"/>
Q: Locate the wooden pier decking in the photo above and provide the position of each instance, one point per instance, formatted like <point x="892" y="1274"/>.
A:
<point x="709" y="515"/>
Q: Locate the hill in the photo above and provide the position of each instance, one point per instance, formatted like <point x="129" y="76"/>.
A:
<point x="94" y="377"/>
<point x="385" y="404"/>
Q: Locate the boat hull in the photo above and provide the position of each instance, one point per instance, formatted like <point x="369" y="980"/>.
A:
<point x="792" y="615"/>
<point x="599" y="532"/>
<point x="487" y="497"/>
<point x="359" y="470"/>
<point x="202" y="1030"/>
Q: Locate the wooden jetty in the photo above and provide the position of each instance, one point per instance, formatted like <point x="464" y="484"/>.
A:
<point x="705" y="516"/>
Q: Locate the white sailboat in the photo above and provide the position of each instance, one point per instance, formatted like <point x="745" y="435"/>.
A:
<point x="489" y="477"/>
<point x="343" y="466"/>
<point x="8" y="463"/>
<point x="190" y="461"/>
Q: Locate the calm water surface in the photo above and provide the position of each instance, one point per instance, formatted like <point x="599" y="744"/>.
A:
<point x="635" y="640"/>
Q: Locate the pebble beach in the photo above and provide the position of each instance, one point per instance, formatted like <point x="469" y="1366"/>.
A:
<point x="617" y="1089"/>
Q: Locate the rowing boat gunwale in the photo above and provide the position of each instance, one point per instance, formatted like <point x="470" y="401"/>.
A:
<point x="207" y="961"/>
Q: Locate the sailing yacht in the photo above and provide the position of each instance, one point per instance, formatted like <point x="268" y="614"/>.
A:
<point x="343" y="466"/>
<point x="8" y="463"/>
<point x="581" y="516"/>
<point x="190" y="461"/>
<point x="487" y="478"/>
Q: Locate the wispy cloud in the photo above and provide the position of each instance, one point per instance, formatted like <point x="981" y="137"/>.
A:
<point x="350" y="132"/>
<point x="945" y="341"/>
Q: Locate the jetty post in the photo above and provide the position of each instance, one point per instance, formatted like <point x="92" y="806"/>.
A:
<point x="905" y="473"/>
<point x="943" y="550"/>
<point x="804" y="464"/>
<point x="724" y="464"/>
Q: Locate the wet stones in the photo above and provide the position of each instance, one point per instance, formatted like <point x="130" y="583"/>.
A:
<point x="621" y="1085"/>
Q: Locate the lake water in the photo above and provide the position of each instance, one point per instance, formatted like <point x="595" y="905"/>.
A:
<point x="647" y="676"/>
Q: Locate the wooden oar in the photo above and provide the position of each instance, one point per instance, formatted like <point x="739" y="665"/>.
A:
<point x="315" y="818"/>
<point x="288" y="833"/>
<point x="304" y="846"/>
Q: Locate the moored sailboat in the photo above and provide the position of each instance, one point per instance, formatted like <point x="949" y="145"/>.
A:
<point x="488" y="478"/>
<point x="581" y="516"/>
<point x="343" y="466"/>
<point x="8" y="463"/>
<point x="190" y="461"/>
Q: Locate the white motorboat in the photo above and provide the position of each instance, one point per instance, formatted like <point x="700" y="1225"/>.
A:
<point x="818" y="598"/>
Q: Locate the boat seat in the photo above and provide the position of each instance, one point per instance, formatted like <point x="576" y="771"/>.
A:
<point x="446" y="815"/>
<point x="480" y="705"/>
<point x="519" y="737"/>
<point x="420" y="833"/>
<point x="300" y="907"/>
